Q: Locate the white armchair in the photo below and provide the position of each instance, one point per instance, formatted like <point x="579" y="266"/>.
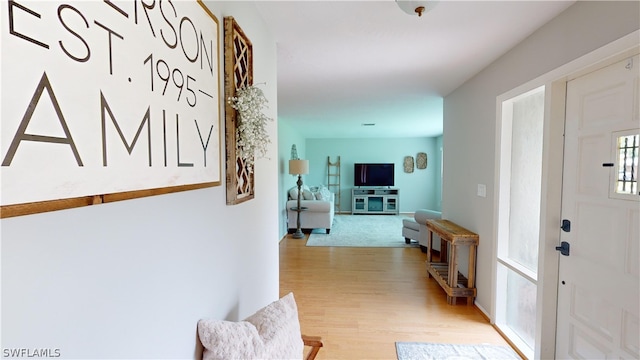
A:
<point x="319" y="209"/>
<point x="416" y="228"/>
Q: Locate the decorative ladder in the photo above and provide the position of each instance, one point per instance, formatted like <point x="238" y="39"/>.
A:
<point x="333" y="180"/>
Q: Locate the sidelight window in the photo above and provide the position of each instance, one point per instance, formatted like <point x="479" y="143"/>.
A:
<point x="519" y="218"/>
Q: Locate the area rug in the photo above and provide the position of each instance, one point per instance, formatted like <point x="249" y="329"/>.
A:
<point x="362" y="231"/>
<point x="433" y="351"/>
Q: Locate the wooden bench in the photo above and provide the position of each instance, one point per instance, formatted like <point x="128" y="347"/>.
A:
<point x="446" y="272"/>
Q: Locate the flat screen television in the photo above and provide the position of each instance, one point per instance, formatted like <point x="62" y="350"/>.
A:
<point x="373" y="174"/>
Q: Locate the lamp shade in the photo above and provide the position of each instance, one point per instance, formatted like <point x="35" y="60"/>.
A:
<point x="298" y="167"/>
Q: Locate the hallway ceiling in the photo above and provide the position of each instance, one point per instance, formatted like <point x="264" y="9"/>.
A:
<point x="342" y="64"/>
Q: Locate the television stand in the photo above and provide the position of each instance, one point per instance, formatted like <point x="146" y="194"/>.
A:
<point x="375" y="201"/>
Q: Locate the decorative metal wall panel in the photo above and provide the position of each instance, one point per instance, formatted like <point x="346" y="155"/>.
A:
<point x="238" y="72"/>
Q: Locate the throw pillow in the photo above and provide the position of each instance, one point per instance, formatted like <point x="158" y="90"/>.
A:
<point x="293" y="193"/>
<point x="279" y="328"/>
<point x="308" y="195"/>
<point x="224" y="340"/>
<point x="273" y="332"/>
<point x="325" y="194"/>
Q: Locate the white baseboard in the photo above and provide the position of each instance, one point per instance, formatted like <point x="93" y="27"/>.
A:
<point x="485" y="312"/>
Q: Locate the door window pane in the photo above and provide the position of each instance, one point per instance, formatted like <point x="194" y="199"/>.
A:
<point x="627" y="177"/>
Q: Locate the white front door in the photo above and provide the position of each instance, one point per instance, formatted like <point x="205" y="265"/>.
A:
<point x="598" y="289"/>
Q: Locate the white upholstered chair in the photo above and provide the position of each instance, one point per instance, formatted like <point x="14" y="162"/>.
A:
<point x="416" y="228"/>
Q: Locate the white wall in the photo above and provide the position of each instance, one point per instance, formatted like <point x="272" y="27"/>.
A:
<point x="131" y="279"/>
<point x="418" y="190"/>
<point x="470" y="113"/>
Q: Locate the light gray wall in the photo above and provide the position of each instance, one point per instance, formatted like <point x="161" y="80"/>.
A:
<point x="131" y="279"/>
<point x="470" y="113"/>
<point x="418" y="190"/>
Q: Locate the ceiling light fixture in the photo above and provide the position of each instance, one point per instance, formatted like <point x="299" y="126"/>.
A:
<point x="416" y="7"/>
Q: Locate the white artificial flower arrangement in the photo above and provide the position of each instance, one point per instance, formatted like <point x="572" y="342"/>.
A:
<point x="251" y="133"/>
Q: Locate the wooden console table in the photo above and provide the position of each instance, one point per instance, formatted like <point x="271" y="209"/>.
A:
<point x="446" y="271"/>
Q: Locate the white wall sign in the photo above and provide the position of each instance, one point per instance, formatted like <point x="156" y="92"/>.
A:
<point x="102" y="97"/>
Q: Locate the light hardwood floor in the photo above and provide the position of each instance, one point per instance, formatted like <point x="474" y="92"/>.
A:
<point x="362" y="300"/>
